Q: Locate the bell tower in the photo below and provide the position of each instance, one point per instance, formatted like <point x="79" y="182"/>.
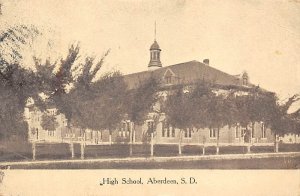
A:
<point x="154" y="54"/>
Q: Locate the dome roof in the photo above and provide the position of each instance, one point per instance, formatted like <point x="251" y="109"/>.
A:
<point x="155" y="46"/>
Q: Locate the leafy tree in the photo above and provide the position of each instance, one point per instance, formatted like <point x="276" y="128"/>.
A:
<point x="178" y="112"/>
<point x="279" y="120"/>
<point x="49" y="122"/>
<point x="101" y="106"/>
<point x="17" y="84"/>
<point x="140" y="102"/>
<point x="199" y="99"/>
<point x="216" y="113"/>
<point x="73" y="87"/>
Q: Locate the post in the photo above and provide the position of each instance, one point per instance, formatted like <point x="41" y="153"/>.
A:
<point x="72" y="149"/>
<point x="33" y="150"/>
<point x="249" y="148"/>
<point x="130" y="139"/>
<point x="217" y="147"/>
<point x="82" y="150"/>
<point x="276" y="144"/>
<point x="250" y="139"/>
<point x="152" y="150"/>
<point x="133" y="136"/>
<point x="179" y="144"/>
<point x="203" y="149"/>
<point x="110" y="140"/>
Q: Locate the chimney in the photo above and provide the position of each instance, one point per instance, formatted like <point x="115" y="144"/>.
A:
<point x="206" y="61"/>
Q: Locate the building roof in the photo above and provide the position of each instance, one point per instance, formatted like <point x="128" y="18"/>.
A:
<point x="184" y="73"/>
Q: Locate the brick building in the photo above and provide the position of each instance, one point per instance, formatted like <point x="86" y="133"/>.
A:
<point x="182" y="73"/>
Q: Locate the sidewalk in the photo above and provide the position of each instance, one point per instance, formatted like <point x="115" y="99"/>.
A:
<point x="160" y="159"/>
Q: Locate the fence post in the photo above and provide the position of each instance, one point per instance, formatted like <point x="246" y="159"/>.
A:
<point x="82" y="150"/>
<point x="33" y="150"/>
<point x="72" y="149"/>
<point x="152" y="150"/>
<point x="130" y="139"/>
<point x="276" y="144"/>
<point x="179" y="143"/>
<point x="249" y="148"/>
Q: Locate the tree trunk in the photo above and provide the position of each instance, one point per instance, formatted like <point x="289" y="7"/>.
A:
<point x="248" y="148"/>
<point x="276" y="147"/>
<point x="250" y="139"/>
<point x="33" y="151"/>
<point x="152" y="146"/>
<point x="179" y="143"/>
<point x="218" y="148"/>
<point x="82" y="150"/>
<point x="110" y="139"/>
<point x="130" y="139"/>
<point x="97" y="139"/>
<point x="72" y="149"/>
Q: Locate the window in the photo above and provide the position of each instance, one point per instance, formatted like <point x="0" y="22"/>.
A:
<point x="37" y="133"/>
<point x="125" y="129"/>
<point x="173" y="132"/>
<point x="128" y="129"/>
<point x="163" y="131"/>
<point x="245" y="81"/>
<point x="263" y="130"/>
<point x="150" y="126"/>
<point x="243" y="131"/>
<point x="50" y="133"/>
<point x="252" y="132"/>
<point x="167" y="130"/>
<point x="188" y="133"/>
<point x="168" y="80"/>
<point x="237" y="135"/>
<point x="212" y="133"/>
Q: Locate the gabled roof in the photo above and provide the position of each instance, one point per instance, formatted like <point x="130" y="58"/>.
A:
<point x="185" y="73"/>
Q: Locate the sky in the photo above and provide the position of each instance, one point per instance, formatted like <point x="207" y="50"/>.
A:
<point x="261" y="37"/>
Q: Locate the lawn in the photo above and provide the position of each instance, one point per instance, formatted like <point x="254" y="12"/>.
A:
<point x="23" y="151"/>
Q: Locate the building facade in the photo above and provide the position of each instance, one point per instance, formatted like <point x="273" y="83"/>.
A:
<point x="182" y="73"/>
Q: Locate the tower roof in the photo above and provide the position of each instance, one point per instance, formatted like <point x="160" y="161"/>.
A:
<point x="155" y="46"/>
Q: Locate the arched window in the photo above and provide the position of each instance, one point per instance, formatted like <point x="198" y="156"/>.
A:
<point x="245" y="81"/>
<point x="263" y="130"/>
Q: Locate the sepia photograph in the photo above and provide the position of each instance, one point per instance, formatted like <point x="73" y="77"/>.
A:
<point x="150" y="96"/>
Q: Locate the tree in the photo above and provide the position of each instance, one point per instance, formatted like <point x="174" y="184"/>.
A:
<point x="199" y="99"/>
<point x="253" y="107"/>
<point x="216" y="113"/>
<point x="140" y="102"/>
<point x="279" y="120"/>
<point x="49" y="122"/>
<point x="178" y="112"/>
<point x="17" y="84"/>
<point x="101" y="106"/>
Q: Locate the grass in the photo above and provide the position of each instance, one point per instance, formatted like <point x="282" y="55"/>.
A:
<point x="23" y="151"/>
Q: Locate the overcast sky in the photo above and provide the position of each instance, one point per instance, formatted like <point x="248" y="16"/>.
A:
<point x="261" y="37"/>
